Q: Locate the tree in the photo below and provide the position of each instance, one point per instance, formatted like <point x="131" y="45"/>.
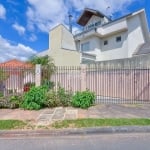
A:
<point x="47" y="64"/>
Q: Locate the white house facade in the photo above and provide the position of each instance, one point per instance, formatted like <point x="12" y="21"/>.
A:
<point x="109" y="40"/>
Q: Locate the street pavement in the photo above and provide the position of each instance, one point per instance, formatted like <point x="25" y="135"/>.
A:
<point x="79" y="142"/>
<point x="48" y="116"/>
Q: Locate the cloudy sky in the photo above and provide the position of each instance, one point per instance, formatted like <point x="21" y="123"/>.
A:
<point x="25" y="24"/>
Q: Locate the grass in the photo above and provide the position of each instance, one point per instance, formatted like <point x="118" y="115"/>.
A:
<point x="11" y="124"/>
<point x="79" y="123"/>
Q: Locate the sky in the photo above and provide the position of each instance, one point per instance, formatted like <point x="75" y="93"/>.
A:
<point x="25" y="24"/>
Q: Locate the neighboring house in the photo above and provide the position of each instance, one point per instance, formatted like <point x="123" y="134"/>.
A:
<point x="100" y="39"/>
<point x="62" y="47"/>
<point x="19" y="73"/>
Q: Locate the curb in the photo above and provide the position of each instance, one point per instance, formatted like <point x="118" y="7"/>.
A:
<point x="81" y="131"/>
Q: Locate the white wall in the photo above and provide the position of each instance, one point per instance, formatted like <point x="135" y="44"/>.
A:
<point x="94" y="41"/>
<point x="114" y="49"/>
<point x="135" y="35"/>
<point x="112" y="28"/>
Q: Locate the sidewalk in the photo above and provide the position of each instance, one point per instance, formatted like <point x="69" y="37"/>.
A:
<point x="47" y="116"/>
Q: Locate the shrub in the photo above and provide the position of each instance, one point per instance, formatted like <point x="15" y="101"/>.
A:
<point x="64" y="96"/>
<point x="61" y="97"/>
<point x="49" y="84"/>
<point x="11" y="101"/>
<point x="35" y="98"/>
<point x="16" y="101"/>
<point x="1" y="94"/>
<point x="52" y="100"/>
<point x="83" y="99"/>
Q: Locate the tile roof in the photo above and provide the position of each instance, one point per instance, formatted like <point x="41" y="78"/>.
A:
<point x="16" y="63"/>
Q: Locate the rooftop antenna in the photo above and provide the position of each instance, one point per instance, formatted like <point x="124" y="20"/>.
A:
<point x="108" y="12"/>
<point x="70" y="22"/>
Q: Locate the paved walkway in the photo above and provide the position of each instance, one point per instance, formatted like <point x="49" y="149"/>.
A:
<point x="47" y="116"/>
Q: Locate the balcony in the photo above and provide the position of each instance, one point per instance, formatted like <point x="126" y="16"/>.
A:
<point x="102" y="30"/>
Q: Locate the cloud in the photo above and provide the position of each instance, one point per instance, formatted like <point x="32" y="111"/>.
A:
<point x="45" y="14"/>
<point x="33" y="38"/>
<point x="2" y="12"/>
<point x="102" y="5"/>
<point x="20" y="29"/>
<point x="10" y="51"/>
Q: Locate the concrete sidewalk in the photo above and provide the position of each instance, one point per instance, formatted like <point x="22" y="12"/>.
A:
<point x="47" y="116"/>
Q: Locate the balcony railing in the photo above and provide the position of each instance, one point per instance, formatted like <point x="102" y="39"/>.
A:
<point x="87" y="28"/>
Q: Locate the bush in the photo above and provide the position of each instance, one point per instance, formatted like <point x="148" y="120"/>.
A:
<point x="35" y="98"/>
<point x="11" y="101"/>
<point x="1" y="94"/>
<point x="49" y="84"/>
<point x="16" y="101"/>
<point x="52" y="100"/>
<point x="83" y="99"/>
<point x="64" y="96"/>
<point x="61" y="97"/>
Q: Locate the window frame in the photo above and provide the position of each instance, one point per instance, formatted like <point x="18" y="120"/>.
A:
<point x="105" y="42"/>
<point x="118" y="39"/>
<point x="85" y="46"/>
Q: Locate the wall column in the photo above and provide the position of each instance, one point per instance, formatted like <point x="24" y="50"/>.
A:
<point x="83" y="77"/>
<point x="37" y="75"/>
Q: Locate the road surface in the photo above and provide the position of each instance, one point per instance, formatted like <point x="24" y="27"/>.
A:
<point x="138" y="141"/>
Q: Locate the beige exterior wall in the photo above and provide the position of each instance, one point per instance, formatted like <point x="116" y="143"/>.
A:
<point x="62" y="47"/>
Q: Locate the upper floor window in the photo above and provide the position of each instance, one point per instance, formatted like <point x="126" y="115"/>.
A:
<point x="105" y="42"/>
<point x="85" y="46"/>
<point x="118" y="39"/>
<point x="98" y="23"/>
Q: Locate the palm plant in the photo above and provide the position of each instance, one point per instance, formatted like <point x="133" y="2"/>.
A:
<point x="47" y="64"/>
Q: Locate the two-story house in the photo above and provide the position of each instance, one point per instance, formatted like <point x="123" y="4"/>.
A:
<point x="100" y="38"/>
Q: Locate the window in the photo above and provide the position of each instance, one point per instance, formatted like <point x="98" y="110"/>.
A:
<point x="85" y="46"/>
<point x="105" y="42"/>
<point x="118" y="39"/>
<point x="98" y="23"/>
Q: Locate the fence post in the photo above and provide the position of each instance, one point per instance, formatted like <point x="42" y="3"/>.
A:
<point x="83" y="77"/>
<point x="37" y="75"/>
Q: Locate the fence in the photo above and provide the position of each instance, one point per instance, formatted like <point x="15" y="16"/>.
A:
<point x="110" y="84"/>
<point x="15" y="80"/>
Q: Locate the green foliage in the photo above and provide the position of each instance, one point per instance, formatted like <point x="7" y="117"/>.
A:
<point x="16" y="101"/>
<point x="64" y="96"/>
<point x="35" y="98"/>
<point x="1" y="94"/>
<point x="48" y="84"/>
<point x="48" y="66"/>
<point x="40" y="60"/>
<point x="11" y="101"/>
<point x="61" y="97"/>
<point x="52" y="100"/>
<point x="83" y="99"/>
<point x="11" y="124"/>
<point x="91" y="122"/>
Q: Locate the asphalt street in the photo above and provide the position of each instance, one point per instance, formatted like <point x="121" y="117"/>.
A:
<point x="140" y="141"/>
